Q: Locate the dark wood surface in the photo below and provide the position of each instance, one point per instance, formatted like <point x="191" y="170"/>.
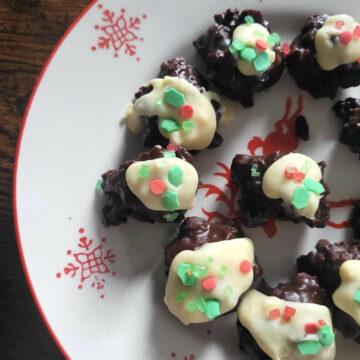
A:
<point x="29" y="30"/>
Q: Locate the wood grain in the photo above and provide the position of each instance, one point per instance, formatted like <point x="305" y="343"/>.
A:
<point x="29" y="30"/>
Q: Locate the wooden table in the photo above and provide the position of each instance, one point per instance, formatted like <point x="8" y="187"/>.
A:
<point x="29" y="29"/>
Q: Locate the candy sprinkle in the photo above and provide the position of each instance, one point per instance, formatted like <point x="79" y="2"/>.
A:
<point x="144" y="171"/>
<point x="171" y="217"/>
<point x="212" y="308"/>
<point x="299" y="177"/>
<point x="345" y="37"/>
<point x="273" y="314"/>
<point x="157" y="186"/>
<point x="245" y="266"/>
<point x="174" y="97"/>
<point x="326" y="335"/>
<point x="312" y="347"/>
<point x="172" y="147"/>
<point x="286" y="48"/>
<point x="169" y="125"/>
<point x="262" y="62"/>
<point x="300" y="198"/>
<point x="98" y="185"/>
<point x="170" y="200"/>
<point x="180" y="296"/>
<point x="209" y="283"/>
<point x="236" y="45"/>
<point x="273" y="39"/>
<point x="186" y="111"/>
<point x="261" y="45"/>
<point x="311" y="328"/>
<point x="357" y="296"/>
<point x="184" y="272"/>
<point x="188" y="125"/>
<point x="248" y="54"/>
<point x="314" y="186"/>
<point x="339" y="24"/>
<point x="290" y="171"/>
<point x="249" y="19"/>
<point x="175" y="175"/>
<point x="169" y="154"/>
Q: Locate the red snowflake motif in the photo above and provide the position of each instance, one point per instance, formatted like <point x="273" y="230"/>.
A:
<point x="88" y="263"/>
<point x="174" y="356"/>
<point x="118" y="33"/>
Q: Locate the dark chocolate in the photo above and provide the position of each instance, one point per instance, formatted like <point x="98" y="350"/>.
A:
<point x="302" y="128"/>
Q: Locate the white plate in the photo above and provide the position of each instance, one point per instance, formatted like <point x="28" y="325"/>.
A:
<point x="71" y="134"/>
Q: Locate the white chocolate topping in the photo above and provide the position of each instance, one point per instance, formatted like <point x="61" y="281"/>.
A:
<point x="278" y="338"/>
<point x="153" y="104"/>
<point x="222" y="261"/>
<point x="277" y="186"/>
<point x="345" y="295"/>
<point x="331" y="51"/>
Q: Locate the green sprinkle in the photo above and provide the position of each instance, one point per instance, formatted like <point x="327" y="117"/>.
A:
<point x="273" y="39"/>
<point x="262" y="61"/>
<point x="188" y="125"/>
<point x="249" y="19"/>
<point x="171" y="217"/>
<point x="170" y="200"/>
<point x="306" y="167"/>
<point x="254" y="171"/>
<point x="169" y="125"/>
<point x="228" y="290"/>
<point x="259" y="34"/>
<point x="184" y="272"/>
<point x="311" y="347"/>
<point x="236" y="45"/>
<point x="175" y="175"/>
<point x="248" y="54"/>
<point x="199" y="271"/>
<point x="174" y="97"/>
<point x="98" y="185"/>
<point x="357" y="296"/>
<point x="180" y="296"/>
<point x="223" y="270"/>
<point x="144" y="171"/>
<point x="191" y="306"/>
<point x="169" y="154"/>
<point x="300" y="198"/>
<point x="326" y="335"/>
<point x="212" y="308"/>
<point x="201" y="304"/>
<point x="314" y="186"/>
<point x="209" y="261"/>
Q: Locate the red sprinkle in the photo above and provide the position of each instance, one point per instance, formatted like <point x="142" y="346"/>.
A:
<point x="172" y="147"/>
<point x="311" y="328"/>
<point x="245" y="266"/>
<point x="290" y="171"/>
<point x="261" y="44"/>
<point x="186" y="111"/>
<point x="157" y="186"/>
<point x="357" y="32"/>
<point x="299" y="177"/>
<point x="339" y="24"/>
<point x="209" y="283"/>
<point x="273" y="314"/>
<point x="286" y="48"/>
<point x="345" y="37"/>
<point x="286" y="318"/>
<point x="321" y="322"/>
<point x="289" y="311"/>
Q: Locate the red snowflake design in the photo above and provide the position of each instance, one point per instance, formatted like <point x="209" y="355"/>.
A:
<point x="283" y="139"/>
<point x="118" y="32"/>
<point x="89" y="263"/>
<point x="174" y="356"/>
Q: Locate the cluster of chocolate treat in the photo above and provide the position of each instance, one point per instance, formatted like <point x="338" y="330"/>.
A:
<point x="211" y="267"/>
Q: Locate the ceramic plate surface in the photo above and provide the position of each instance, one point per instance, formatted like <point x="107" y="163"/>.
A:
<point x="100" y="290"/>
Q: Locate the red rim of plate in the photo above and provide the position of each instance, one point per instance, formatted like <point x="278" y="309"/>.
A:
<point x="14" y="199"/>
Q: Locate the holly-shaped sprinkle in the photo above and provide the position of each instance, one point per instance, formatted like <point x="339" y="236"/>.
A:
<point x="309" y="347"/>
<point x="249" y="19"/>
<point x="273" y="39"/>
<point x="170" y="200"/>
<point x="175" y="175"/>
<point x="174" y="98"/>
<point x="188" y="125"/>
<point x="189" y="273"/>
<point x="357" y="296"/>
<point x="157" y="186"/>
<point x="169" y="125"/>
<point x="236" y="46"/>
<point x="300" y="198"/>
<point x="326" y="335"/>
<point x="248" y="54"/>
<point x="212" y="309"/>
<point x="171" y="217"/>
<point x="169" y="154"/>
<point x="313" y="186"/>
<point x="262" y="62"/>
<point x="144" y="171"/>
<point x="180" y="296"/>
